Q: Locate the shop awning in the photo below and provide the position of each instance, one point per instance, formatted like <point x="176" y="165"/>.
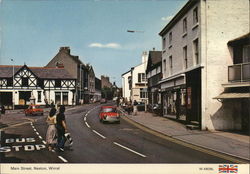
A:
<point x="232" y="96"/>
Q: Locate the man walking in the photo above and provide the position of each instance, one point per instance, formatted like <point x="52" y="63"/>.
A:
<point x="135" y="107"/>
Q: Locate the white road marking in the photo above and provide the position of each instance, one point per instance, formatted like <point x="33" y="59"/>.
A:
<point x="44" y="142"/>
<point x="64" y="160"/>
<point x="87" y="124"/>
<point x="99" y="134"/>
<point x="34" y="129"/>
<point x="85" y="118"/>
<point x="130" y="149"/>
<point x="40" y="137"/>
<point x="37" y="133"/>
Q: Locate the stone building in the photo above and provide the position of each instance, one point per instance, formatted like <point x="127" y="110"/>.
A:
<point x="105" y="82"/>
<point x="77" y="69"/>
<point x="195" y="60"/>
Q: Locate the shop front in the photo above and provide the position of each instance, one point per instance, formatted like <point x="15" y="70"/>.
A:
<point x="174" y="98"/>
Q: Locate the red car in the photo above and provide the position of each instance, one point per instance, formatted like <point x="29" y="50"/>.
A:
<point x="109" y="114"/>
<point x="34" y="110"/>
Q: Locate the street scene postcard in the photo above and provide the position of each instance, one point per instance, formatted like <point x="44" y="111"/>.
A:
<point x="124" y="86"/>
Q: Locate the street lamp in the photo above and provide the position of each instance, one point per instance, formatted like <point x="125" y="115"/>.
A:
<point x="13" y="92"/>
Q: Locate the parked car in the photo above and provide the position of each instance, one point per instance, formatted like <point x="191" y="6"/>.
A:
<point x="109" y="114"/>
<point x="103" y="100"/>
<point x="34" y="110"/>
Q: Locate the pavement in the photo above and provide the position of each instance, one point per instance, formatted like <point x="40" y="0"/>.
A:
<point x="228" y="143"/>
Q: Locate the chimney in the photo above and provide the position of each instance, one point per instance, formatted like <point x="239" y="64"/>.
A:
<point x="65" y="49"/>
<point x="154" y="49"/>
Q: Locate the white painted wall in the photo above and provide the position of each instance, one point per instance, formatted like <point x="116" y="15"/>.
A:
<point x="218" y="27"/>
<point x="219" y="22"/>
<point x="125" y="86"/>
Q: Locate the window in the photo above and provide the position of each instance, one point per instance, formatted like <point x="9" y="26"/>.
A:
<point x="141" y="77"/>
<point x="130" y="82"/>
<point x="39" y="96"/>
<point x="170" y="65"/>
<point x="196" y="52"/>
<point x="25" y="81"/>
<point x="185" y="57"/>
<point x="143" y="92"/>
<point x="164" y="66"/>
<point x="57" y="83"/>
<point x="185" y="25"/>
<point x="58" y="98"/>
<point x="65" y="98"/>
<point x="195" y="16"/>
<point x="246" y="54"/>
<point x="164" y="43"/>
<point x="170" y="38"/>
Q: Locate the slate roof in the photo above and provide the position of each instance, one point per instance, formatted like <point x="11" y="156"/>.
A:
<point x="6" y="71"/>
<point x="155" y="57"/>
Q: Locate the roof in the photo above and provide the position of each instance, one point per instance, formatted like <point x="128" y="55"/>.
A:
<point x="126" y="72"/>
<point x="245" y="39"/>
<point x="154" y="59"/>
<point x="233" y="95"/>
<point x="6" y="71"/>
<point x="178" y="16"/>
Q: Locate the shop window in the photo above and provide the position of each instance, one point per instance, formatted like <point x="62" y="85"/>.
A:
<point x="58" y="98"/>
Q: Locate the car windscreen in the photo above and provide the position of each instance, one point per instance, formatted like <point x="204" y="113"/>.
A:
<point x="108" y="110"/>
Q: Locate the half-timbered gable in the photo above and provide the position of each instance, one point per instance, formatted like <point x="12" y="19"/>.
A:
<point x="46" y="85"/>
<point x="25" y="78"/>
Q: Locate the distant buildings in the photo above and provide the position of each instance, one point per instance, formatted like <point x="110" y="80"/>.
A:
<point x="84" y="74"/>
<point x="135" y="82"/>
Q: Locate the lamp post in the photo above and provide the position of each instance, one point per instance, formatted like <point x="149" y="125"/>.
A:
<point x="13" y="92"/>
<point x="80" y="86"/>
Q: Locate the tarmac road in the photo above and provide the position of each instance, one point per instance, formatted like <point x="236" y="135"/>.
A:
<point x="95" y="142"/>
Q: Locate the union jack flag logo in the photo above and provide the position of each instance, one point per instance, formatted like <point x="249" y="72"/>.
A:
<point x="228" y="168"/>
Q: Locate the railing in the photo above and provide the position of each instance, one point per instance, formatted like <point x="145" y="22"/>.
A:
<point x="239" y="72"/>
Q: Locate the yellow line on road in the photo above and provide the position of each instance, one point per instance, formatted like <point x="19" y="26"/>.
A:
<point x="15" y="125"/>
<point x="192" y="146"/>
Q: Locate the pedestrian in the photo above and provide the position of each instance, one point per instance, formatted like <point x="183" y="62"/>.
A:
<point x="2" y="109"/>
<point x="51" y="135"/>
<point x="135" y="107"/>
<point x="61" y="128"/>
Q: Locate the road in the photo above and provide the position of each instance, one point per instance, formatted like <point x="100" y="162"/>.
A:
<point x="95" y="142"/>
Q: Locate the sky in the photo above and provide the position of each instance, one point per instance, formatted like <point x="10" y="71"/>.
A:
<point x="32" y="31"/>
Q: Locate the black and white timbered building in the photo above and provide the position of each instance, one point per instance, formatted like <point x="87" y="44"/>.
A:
<point x="45" y="85"/>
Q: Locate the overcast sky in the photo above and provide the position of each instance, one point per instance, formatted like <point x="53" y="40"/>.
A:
<point x="32" y="31"/>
